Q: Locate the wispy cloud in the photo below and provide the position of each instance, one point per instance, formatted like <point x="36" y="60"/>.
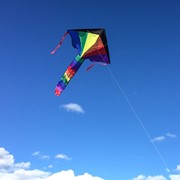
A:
<point x="62" y="156"/>
<point x="39" y="155"/>
<point x="50" y="166"/>
<point x="21" y="171"/>
<point x="164" y="137"/>
<point x="158" y="139"/>
<point x="73" y="107"/>
<point x="45" y="157"/>
<point x="170" y="135"/>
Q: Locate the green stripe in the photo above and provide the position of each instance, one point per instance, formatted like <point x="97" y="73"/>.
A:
<point x="83" y="37"/>
<point x="65" y="81"/>
<point x="79" y="59"/>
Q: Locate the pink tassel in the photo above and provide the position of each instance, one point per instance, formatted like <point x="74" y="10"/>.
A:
<point x="90" y="67"/>
<point x="60" y="43"/>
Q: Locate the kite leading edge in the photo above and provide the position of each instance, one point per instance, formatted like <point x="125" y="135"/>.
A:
<point x="91" y="44"/>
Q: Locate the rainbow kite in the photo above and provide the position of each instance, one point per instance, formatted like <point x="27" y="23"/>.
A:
<point x="91" y="44"/>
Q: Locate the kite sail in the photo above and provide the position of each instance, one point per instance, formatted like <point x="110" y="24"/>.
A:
<point x="91" y="44"/>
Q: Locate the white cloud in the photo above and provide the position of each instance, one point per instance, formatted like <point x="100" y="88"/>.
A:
<point x="40" y="155"/>
<point x="73" y="107"/>
<point x="162" y="138"/>
<point x="175" y="177"/>
<point x="44" y="157"/>
<point x="170" y="135"/>
<point x="62" y="156"/>
<point x="37" y="153"/>
<point x="6" y="160"/>
<point x="178" y="168"/>
<point x="22" y="165"/>
<point x="156" y="178"/>
<point x="159" y="177"/>
<point x="158" y="139"/>
<point x="142" y="177"/>
<point x="9" y="170"/>
<point x="23" y="174"/>
<point x="50" y="166"/>
<point x="69" y="175"/>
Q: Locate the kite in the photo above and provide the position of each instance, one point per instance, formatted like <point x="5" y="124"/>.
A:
<point x="91" y="44"/>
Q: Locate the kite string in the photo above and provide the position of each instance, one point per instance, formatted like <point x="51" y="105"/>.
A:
<point x="137" y="116"/>
<point x="139" y="119"/>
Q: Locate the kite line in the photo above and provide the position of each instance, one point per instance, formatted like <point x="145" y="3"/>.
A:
<point x="138" y="118"/>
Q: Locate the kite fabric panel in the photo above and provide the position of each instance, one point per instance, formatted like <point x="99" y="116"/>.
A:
<point x="91" y="44"/>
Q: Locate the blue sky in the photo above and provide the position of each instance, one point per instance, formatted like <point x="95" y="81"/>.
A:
<point x="115" y="122"/>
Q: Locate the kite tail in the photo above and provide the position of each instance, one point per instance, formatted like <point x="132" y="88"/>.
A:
<point x="60" y="43"/>
<point x="68" y="75"/>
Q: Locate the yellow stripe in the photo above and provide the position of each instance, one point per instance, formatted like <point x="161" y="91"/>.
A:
<point x="67" y="77"/>
<point x="90" y="41"/>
